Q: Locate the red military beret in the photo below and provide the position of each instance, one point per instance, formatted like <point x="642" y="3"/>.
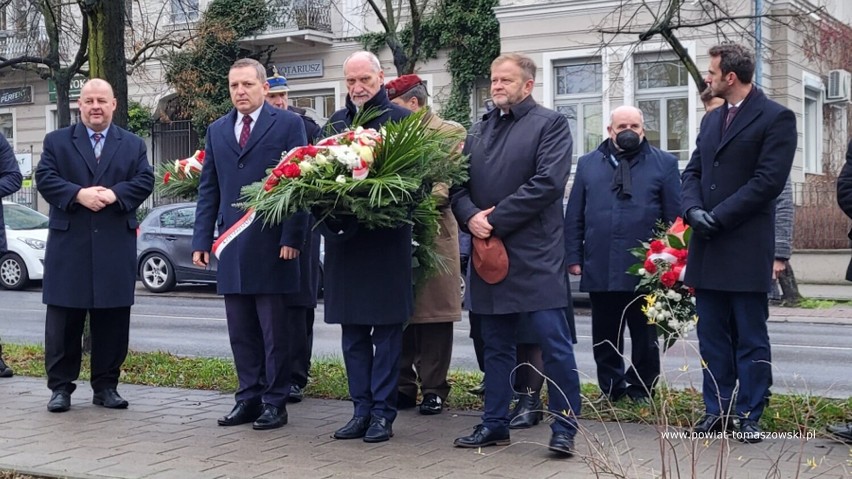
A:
<point x="490" y="259"/>
<point x="399" y="86"/>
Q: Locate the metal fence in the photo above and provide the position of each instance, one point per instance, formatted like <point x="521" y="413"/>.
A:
<point x="27" y="196"/>
<point x="819" y="222"/>
<point x="170" y="141"/>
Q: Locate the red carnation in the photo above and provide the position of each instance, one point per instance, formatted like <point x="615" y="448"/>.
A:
<point x="677" y="270"/>
<point x="669" y="278"/>
<point x="299" y="154"/>
<point x="200" y="156"/>
<point x="657" y="246"/>
<point x="650" y="267"/>
<point x="271" y="182"/>
<point x="292" y="170"/>
<point x="311" y="150"/>
<point x="166" y="178"/>
<point x="681" y="255"/>
<point x="278" y="171"/>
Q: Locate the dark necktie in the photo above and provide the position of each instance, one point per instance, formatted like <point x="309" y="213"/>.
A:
<point x="732" y="112"/>
<point x="99" y="146"/>
<point x="244" y="135"/>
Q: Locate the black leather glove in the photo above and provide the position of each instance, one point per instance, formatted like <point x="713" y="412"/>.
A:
<point x="703" y="222"/>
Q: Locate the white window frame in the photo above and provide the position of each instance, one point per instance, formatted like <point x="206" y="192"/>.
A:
<point x="49" y="112"/>
<point x="812" y="88"/>
<point x="691" y="89"/>
<point x="552" y="60"/>
<point x="12" y="111"/>
<point x="662" y="95"/>
<point x="330" y="85"/>
<point x="186" y="16"/>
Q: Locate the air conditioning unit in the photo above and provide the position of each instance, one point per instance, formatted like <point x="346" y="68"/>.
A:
<point x="839" y="87"/>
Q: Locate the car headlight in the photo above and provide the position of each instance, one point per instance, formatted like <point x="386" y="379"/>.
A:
<point x="33" y="243"/>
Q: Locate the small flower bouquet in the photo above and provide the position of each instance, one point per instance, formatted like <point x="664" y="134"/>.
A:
<point x="669" y="304"/>
<point x="381" y="178"/>
<point x="179" y="179"/>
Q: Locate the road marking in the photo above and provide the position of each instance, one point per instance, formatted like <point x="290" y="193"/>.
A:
<point x="163" y="316"/>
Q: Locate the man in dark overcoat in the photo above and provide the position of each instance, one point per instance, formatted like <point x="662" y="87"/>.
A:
<point x="309" y="262"/>
<point x="620" y="192"/>
<point x="520" y="159"/>
<point x="10" y="182"/>
<point x="843" y="431"/>
<point x="94" y="175"/>
<point x="379" y="260"/>
<point x="260" y="266"/>
<point x="742" y="159"/>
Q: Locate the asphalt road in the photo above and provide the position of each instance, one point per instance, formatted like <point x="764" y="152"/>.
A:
<point x="808" y="358"/>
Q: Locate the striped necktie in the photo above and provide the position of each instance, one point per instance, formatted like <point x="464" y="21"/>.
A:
<point x="99" y="145"/>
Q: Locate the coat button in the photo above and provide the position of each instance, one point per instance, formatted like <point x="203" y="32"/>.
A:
<point x="712" y="187"/>
<point x="241" y="165"/>
<point x="715" y="163"/>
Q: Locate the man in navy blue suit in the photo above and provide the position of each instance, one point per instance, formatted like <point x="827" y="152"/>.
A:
<point x="94" y="175"/>
<point x="260" y="266"/>
<point x="10" y="182"/>
<point x="741" y="162"/>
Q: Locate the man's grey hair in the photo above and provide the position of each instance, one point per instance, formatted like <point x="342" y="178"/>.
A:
<point x="419" y="92"/>
<point x="372" y="58"/>
<point x="627" y="107"/>
<point x="251" y="62"/>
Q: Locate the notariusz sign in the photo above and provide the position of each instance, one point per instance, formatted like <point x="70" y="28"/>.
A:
<point x="301" y="69"/>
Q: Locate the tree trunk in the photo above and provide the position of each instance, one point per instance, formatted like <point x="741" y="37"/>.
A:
<point x="106" y="52"/>
<point x="789" y="288"/>
<point x="62" y="79"/>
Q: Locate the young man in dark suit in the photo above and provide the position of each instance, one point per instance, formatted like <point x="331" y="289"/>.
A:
<point x="260" y="266"/>
<point x="94" y="175"/>
<point x="742" y="159"/>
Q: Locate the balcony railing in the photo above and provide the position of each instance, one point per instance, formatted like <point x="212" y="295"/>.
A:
<point x="15" y="44"/>
<point x="294" y="15"/>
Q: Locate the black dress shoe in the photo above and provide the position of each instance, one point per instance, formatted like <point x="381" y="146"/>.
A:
<point x="60" y="401"/>
<point x="5" y="370"/>
<point x="109" y="398"/>
<point x="354" y="429"/>
<point x="712" y="423"/>
<point x="841" y="431"/>
<point x="271" y="418"/>
<point x="527" y="412"/>
<point x="380" y="430"/>
<point x="243" y="413"/>
<point x="296" y="394"/>
<point x="562" y="443"/>
<point x="749" y="432"/>
<point x="432" y="404"/>
<point x="483" y="436"/>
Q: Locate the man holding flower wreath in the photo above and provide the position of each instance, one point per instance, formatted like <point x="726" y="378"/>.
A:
<point x="368" y="279"/>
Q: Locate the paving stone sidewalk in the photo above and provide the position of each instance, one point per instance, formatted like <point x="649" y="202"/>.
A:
<point x="172" y="433"/>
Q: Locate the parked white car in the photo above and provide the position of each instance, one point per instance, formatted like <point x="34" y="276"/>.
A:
<point x="26" y="237"/>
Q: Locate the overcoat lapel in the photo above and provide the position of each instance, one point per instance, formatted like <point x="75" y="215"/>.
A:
<point x="753" y="109"/>
<point x="84" y="147"/>
<point x="230" y="138"/>
<point x="264" y="122"/>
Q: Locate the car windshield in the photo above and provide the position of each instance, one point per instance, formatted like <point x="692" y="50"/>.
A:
<point x="18" y="217"/>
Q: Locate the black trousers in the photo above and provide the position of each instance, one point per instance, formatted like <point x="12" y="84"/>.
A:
<point x="261" y="328"/>
<point x="63" y="345"/>
<point x="476" y="336"/>
<point x="302" y="348"/>
<point x="608" y="327"/>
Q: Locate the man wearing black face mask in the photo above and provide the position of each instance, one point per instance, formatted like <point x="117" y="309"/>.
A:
<point x="620" y="191"/>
